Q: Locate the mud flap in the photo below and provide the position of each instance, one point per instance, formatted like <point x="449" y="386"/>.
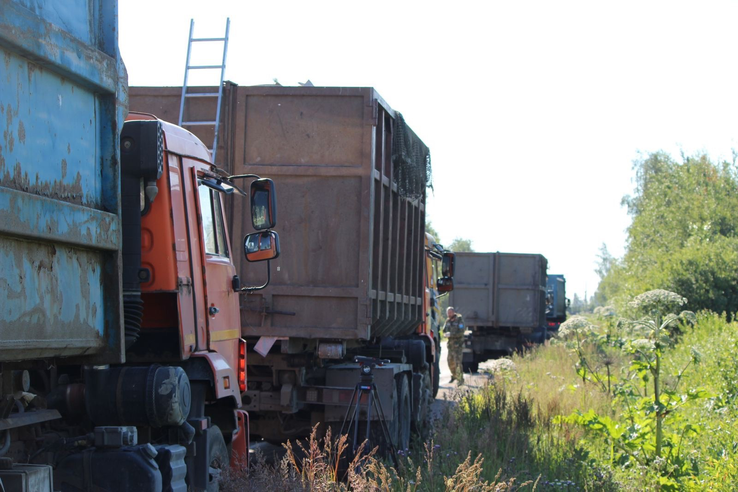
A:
<point x="240" y="442"/>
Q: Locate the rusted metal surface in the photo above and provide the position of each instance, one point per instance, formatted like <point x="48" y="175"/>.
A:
<point x="500" y="290"/>
<point x="352" y="248"/>
<point x="62" y="101"/>
<point x="52" y="300"/>
<point x="39" y="219"/>
<point x="79" y="41"/>
<point x="331" y="350"/>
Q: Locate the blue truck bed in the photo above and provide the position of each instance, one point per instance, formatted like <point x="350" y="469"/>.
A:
<point x="63" y="98"/>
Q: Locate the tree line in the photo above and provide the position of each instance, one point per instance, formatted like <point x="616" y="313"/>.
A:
<point x="683" y="236"/>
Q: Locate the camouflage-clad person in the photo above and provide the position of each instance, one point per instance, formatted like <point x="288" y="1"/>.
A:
<point x="454" y="328"/>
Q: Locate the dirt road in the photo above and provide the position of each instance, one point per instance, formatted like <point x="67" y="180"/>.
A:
<point x="447" y="389"/>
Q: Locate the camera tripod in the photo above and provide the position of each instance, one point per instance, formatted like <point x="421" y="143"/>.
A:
<point x="366" y="386"/>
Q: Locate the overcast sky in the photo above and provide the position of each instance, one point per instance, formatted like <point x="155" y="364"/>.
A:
<point x="533" y="110"/>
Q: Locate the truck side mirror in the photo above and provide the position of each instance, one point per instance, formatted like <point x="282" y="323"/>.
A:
<point x="447" y="267"/>
<point x="260" y="246"/>
<point x="445" y="284"/>
<point x="263" y="204"/>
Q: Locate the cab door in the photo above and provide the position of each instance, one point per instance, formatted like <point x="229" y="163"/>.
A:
<point x="221" y="300"/>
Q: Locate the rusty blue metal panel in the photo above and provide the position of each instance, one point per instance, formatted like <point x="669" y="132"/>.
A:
<point x="36" y="36"/>
<point x="63" y="98"/>
<point x="44" y="219"/>
<point x="75" y="17"/>
<point x="52" y="300"/>
<point x="41" y="111"/>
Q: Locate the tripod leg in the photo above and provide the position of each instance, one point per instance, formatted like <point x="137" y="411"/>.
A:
<point x="348" y="410"/>
<point x="369" y="399"/>
<point x="383" y="423"/>
<point x="355" y="405"/>
<point x="357" y="417"/>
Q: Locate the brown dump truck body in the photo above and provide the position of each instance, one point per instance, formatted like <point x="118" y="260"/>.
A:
<point x="502" y="297"/>
<point x="500" y="289"/>
<point x="352" y="244"/>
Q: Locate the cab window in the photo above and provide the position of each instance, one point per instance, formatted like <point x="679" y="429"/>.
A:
<point x="212" y="222"/>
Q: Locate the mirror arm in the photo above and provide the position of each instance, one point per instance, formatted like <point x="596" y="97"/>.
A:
<point x="244" y="176"/>
<point x="435" y="254"/>
<point x="248" y="290"/>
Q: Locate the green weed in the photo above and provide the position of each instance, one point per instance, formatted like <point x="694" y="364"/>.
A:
<point x="551" y="422"/>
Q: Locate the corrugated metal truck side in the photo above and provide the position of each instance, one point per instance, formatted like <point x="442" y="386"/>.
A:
<point x="502" y="297"/>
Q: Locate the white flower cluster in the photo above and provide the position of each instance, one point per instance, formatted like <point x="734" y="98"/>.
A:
<point x="501" y="365"/>
<point x="658" y="299"/>
<point x="643" y="344"/>
<point x="573" y="325"/>
<point x="605" y="311"/>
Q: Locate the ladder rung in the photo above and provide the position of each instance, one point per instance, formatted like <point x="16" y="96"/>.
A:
<point x="200" y="67"/>
<point x="202" y="94"/>
<point x="199" y="122"/>
<point x="208" y="39"/>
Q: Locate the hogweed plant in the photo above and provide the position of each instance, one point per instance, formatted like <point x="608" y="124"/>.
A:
<point x="590" y="348"/>
<point x="650" y="400"/>
<point x="656" y="326"/>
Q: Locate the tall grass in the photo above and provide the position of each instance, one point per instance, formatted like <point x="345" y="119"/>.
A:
<point x="699" y="413"/>
<point x="498" y="438"/>
<point x="714" y="451"/>
<point x="323" y="465"/>
<point x="511" y="434"/>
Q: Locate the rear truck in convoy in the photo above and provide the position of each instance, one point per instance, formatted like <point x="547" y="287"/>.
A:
<point x="362" y="277"/>
<point x="556" y="301"/>
<point x="502" y="297"/>
<point x="121" y="358"/>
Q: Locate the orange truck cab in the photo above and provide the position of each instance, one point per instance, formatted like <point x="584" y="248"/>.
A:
<point x="189" y="287"/>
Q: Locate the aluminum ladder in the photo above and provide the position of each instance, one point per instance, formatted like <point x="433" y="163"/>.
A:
<point x="187" y="95"/>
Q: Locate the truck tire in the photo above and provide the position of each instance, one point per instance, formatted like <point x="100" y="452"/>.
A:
<point x="437" y="371"/>
<point x="404" y="413"/>
<point x="393" y="426"/>
<point x="219" y="458"/>
<point x="470" y="367"/>
<point x="421" y="420"/>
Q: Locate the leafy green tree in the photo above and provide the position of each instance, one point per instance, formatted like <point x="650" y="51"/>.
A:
<point x="683" y="237"/>
<point x="577" y="305"/>
<point x="609" y="269"/>
<point x="461" y="245"/>
<point x="677" y="203"/>
<point x="432" y="231"/>
<point x="705" y="272"/>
